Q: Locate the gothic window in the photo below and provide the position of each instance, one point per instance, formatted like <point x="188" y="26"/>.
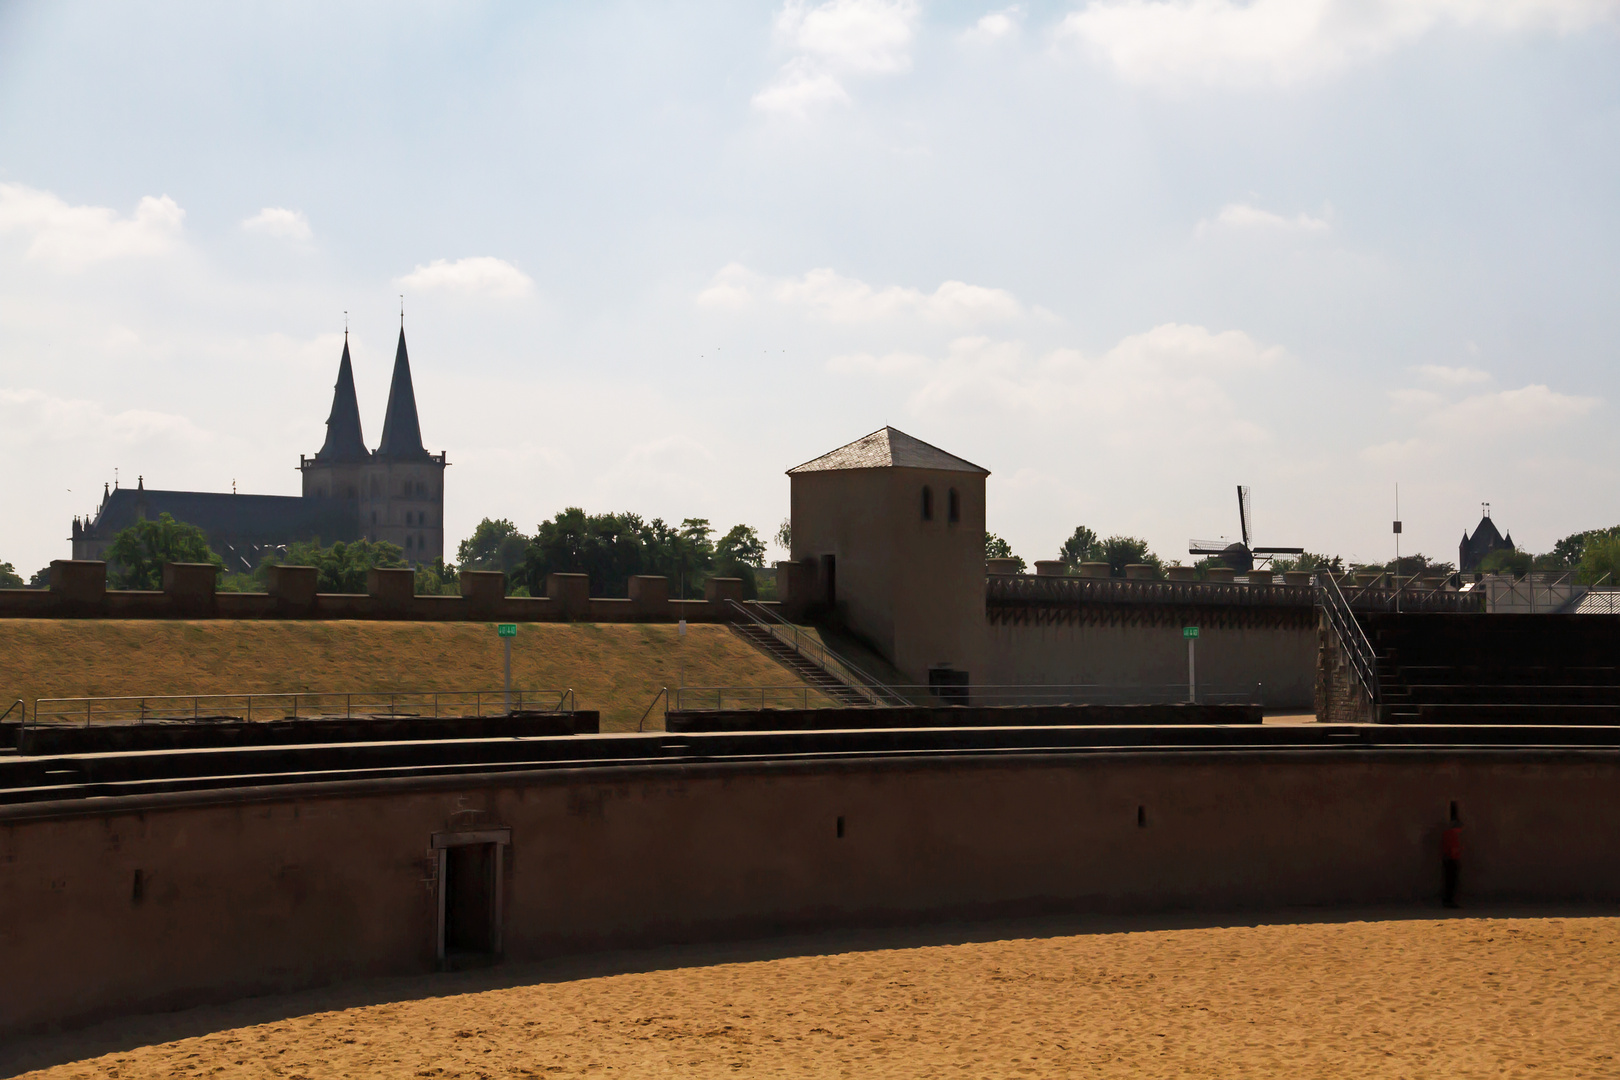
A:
<point x="374" y="517"/>
<point x="407" y="543"/>
<point x="928" y="503"/>
<point x="953" y="507"/>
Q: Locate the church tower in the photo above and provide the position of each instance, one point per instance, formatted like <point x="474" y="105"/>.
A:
<point x="397" y="490"/>
<point x="403" y="501"/>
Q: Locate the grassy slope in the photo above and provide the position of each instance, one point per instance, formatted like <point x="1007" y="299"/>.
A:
<point x="616" y="668"/>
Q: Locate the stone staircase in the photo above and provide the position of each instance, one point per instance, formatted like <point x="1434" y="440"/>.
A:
<point x="805" y="669"/>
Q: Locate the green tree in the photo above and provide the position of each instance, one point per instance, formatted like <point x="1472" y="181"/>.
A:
<point x="1600" y="559"/>
<point x="1122" y="551"/>
<point x="136" y="556"/>
<point x="437" y="579"/>
<point x="738" y="554"/>
<point x="341" y="568"/>
<point x="607" y="548"/>
<point x="9" y="578"/>
<point x="997" y="548"/>
<point x="1083" y="546"/>
<point x="494" y="545"/>
<point x="784" y="536"/>
<point x="41" y="578"/>
<point x="1507" y="561"/>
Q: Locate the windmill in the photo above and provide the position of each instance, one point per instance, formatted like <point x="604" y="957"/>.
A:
<point x="1240" y="556"/>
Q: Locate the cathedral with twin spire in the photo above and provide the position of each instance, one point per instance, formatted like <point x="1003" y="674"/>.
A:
<point x="394" y="493"/>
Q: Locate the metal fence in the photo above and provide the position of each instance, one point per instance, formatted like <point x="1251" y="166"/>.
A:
<point x="722" y="698"/>
<point x="257" y="708"/>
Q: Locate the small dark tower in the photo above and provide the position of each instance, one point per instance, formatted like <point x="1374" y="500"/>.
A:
<point x="403" y="501"/>
<point x="1486" y="539"/>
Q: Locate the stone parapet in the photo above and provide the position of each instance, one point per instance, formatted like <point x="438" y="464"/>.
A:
<point x="79" y="591"/>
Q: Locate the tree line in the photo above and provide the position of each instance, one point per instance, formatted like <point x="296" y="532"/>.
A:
<point x="607" y="548"/>
<point x="1593" y="556"/>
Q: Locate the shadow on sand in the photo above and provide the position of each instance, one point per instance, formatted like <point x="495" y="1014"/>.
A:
<point x="129" y="1033"/>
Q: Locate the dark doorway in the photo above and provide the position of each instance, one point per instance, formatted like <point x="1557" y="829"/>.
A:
<point x="469" y="899"/>
<point x="829" y="578"/>
<point x="949" y="685"/>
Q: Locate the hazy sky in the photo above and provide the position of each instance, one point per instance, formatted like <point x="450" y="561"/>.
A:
<point x="1125" y="254"/>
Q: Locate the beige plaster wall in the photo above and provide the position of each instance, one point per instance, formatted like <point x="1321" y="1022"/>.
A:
<point x="1280" y="662"/>
<point x="282" y="889"/>
<point x="915" y="588"/>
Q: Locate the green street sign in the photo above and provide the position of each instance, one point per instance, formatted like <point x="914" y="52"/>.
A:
<point x="1189" y="631"/>
<point x="506" y="629"/>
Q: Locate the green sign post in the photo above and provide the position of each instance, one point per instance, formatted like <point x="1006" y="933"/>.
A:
<point x="1191" y="634"/>
<point x="506" y="631"/>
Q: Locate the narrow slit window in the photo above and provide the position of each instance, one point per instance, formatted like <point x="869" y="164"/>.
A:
<point x="927" y="503"/>
<point x="953" y="506"/>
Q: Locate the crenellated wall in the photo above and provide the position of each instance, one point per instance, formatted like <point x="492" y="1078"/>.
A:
<point x="79" y="591"/>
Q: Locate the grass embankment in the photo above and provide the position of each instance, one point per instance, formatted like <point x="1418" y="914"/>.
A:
<point x="616" y="667"/>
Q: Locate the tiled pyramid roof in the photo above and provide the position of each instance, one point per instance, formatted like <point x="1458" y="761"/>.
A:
<point x="888" y="448"/>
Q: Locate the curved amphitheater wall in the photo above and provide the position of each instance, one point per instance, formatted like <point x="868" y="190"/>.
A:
<point x="163" y="902"/>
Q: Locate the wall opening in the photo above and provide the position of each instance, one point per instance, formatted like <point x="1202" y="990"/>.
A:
<point x="840" y="828"/>
<point x="949" y="685"/>
<point x="927" y="503"/>
<point x="1454" y="816"/>
<point x="469" y="899"/>
<point x="829" y="579"/>
<point x="1141" y="817"/>
<point x="953" y="506"/>
<point x="470" y="875"/>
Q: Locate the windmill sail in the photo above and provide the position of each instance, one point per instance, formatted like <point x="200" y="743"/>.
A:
<point x="1244" y="518"/>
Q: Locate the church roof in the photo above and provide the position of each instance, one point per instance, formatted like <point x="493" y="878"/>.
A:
<point x="402" y="432"/>
<point x="229" y="518"/>
<point x="888" y="448"/>
<point x="344" y="441"/>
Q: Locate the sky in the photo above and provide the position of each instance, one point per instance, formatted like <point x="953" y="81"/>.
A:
<point x="1125" y="254"/>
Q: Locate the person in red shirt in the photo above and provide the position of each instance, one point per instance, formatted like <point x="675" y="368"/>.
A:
<point x="1451" y="861"/>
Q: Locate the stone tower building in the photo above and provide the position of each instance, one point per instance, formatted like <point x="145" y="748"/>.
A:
<point x="397" y="490"/>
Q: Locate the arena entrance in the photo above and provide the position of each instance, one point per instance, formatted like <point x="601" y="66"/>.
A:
<point x="470" y="879"/>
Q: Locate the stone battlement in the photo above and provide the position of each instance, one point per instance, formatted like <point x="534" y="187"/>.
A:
<point x="79" y="591"/>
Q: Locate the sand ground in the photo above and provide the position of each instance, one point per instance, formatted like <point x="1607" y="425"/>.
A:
<point x="1398" y="997"/>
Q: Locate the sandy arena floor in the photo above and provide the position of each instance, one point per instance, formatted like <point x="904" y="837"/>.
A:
<point x="1406" y="998"/>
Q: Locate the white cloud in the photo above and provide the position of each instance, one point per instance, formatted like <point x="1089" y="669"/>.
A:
<point x="73" y="237"/>
<point x="32" y="416"/>
<point x="731" y="290"/>
<point x="1179" y="42"/>
<point x="828" y="295"/>
<point x="1236" y="216"/>
<point x="279" y="222"/>
<point x="800" y="89"/>
<point x="996" y="25"/>
<point x="478" y="274"/>
<point x="1453" y="376"/>
<point x="1166" y="388"/>
<point x="1479" y="420"/>
<point x="833" y="40"/>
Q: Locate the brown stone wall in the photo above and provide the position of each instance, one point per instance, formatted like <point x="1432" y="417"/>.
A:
<point x="173" y="900"/>
<point x="1339" y="698"/>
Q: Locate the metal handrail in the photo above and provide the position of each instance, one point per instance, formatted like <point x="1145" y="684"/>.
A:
<point x="817" y="653"/>
<point x="699" y="698"/>
<point x="663" y="692"/>
<point x="13" y="705"/>
<point x="1363" y="660"/>
<point x="146" y="708"/>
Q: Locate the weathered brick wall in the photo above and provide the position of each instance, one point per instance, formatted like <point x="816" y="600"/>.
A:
<point x="1339" y="699"/>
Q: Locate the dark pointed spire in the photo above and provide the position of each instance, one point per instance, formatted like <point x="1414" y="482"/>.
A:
<point x="402" y="432"/>
<point x="343" y="439"/>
